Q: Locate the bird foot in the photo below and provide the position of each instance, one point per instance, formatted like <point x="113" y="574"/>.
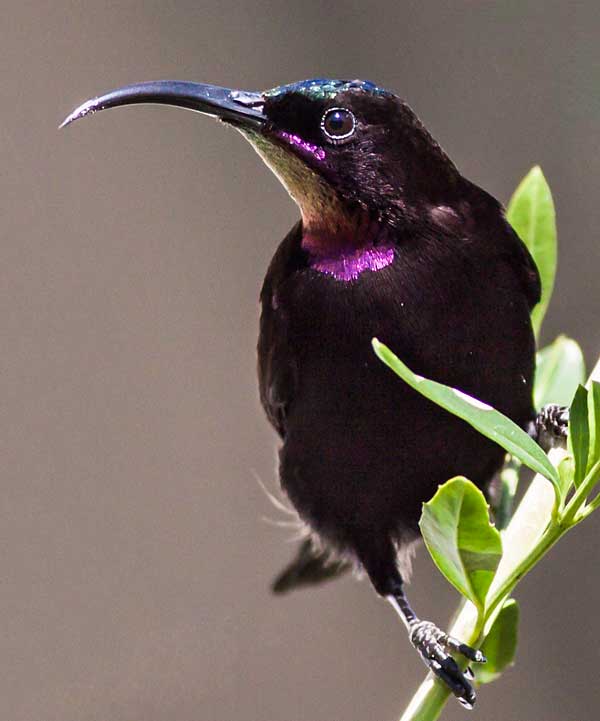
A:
<point x="433" y="644"/>
<point x="551" y="425"/>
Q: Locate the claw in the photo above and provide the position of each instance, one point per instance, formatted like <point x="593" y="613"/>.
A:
<point x="432" y="644"/>
<point x="473" y="654"/>
<point x="455" y="686"/>
<point x="459" y="686"/>
<point x="467" y="704"/>
<point x="551" y="426"/>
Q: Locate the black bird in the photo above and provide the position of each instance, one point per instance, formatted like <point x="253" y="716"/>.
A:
<point x="395" y="243"/>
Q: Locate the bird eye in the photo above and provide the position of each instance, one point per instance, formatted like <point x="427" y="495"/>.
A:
<point x="338" y="124"/>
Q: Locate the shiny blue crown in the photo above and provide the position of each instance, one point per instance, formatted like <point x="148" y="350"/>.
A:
<point x="326" y="88"/>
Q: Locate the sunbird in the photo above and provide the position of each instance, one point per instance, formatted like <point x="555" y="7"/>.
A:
<point x="394" y="243"/>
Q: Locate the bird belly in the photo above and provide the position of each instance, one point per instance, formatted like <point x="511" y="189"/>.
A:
<point x="362" y="450"/>
<point x="354" y="466"/>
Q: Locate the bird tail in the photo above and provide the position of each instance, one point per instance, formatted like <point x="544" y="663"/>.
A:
<point x="312" y="565"/>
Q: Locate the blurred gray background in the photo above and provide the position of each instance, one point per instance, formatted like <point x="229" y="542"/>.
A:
<point x="135" y="561"/>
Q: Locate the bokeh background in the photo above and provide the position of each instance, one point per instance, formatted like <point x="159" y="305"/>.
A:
<point x="135" y="559"/>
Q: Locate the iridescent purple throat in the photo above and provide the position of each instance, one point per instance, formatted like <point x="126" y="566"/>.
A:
<point x="348" y="265"/>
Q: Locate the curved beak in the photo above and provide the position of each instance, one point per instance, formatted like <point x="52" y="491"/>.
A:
<point x="237" y="107"/>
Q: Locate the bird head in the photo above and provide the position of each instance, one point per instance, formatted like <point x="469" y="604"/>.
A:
<point x="353" y="156"/>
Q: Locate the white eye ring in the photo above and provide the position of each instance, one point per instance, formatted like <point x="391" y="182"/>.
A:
<point x="343" y="137"/>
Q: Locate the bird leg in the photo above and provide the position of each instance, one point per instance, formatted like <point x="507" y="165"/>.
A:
<point x="434" y="647"/>
<point x="550" y="426"/>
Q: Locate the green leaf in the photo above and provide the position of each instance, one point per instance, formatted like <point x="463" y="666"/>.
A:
<point x="463" y="543"/>
<point x="579" y="433"/>
<point x="500" y="644"/>
<point x="594" y="421"/>
<point x="560" y="368"/>
<point x="531" y="213"/>
<point x="566" y="473"/>
<point x="488" y="421"/>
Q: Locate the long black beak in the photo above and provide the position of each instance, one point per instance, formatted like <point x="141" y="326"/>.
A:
<point x="234" y="106"/>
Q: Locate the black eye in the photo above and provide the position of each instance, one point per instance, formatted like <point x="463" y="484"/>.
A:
<point x="338" y="124"/>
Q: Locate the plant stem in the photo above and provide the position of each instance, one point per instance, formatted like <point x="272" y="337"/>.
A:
<point x="428" y="702"/>
<point x="581" y="493"/>
<point x="589" y="508"/>
<point x="554" y="532"/>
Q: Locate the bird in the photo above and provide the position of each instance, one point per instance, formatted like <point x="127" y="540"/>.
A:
<point x="392" y="242"/>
